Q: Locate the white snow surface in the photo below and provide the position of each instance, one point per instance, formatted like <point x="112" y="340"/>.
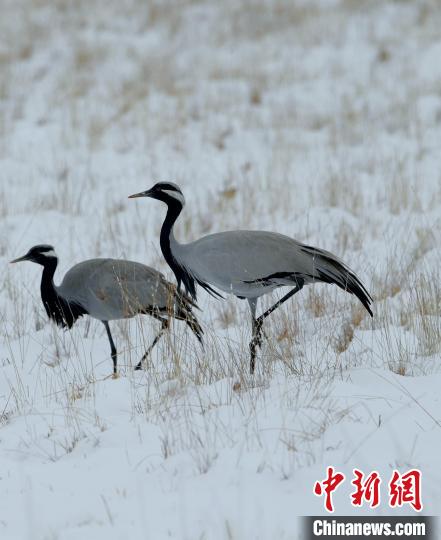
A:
<point x="318" y="119"/>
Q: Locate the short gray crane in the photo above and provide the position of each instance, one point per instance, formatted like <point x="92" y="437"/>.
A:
<point x="247" y="264"/>
<point x="107" y="290"/>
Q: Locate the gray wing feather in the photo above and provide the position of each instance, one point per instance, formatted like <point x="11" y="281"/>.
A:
<point x="250" y="263"/>
<point x="114" y="289"/>
<point x="236" y="257"/>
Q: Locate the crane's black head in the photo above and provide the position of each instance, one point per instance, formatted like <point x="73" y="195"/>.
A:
<point x="163" y="191"/>
<point x="43" y="254"/>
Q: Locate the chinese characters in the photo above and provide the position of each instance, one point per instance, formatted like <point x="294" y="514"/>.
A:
<point x="403" y="488"/>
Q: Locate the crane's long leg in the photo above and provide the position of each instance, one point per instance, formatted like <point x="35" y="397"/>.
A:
<point x="256" y="339"/>
<point x="292" y="292"/>
<point x="113" y="352"/>
<point x="164" y="326"/>
<point x="257" y="323"/>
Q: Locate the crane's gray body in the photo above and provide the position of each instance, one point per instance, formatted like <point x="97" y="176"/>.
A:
<point x="107" y="290"/>
<point x="250" y="264"/>
<point x="111" y="289"/>
<point x="247" y="264"/>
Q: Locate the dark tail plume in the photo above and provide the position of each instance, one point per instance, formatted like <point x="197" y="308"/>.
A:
<point x="329" y="269"/>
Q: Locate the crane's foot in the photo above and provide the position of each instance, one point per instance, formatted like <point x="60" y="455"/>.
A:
<point x="141" y="365"/>
<point x="112" y="376"/>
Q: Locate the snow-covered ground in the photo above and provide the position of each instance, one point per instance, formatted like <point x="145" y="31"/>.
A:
<point x="318" y="119"/>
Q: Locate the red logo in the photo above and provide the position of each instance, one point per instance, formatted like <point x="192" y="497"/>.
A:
<point x="406" y="489"/>
<point x="367" y="489"/>
<point x="403" y="488"/>
<point x="330" y="484"/>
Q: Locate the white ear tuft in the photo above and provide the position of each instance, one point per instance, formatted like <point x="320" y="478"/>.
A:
<point x="49" y="254"/>
<point x="175" y="195"/>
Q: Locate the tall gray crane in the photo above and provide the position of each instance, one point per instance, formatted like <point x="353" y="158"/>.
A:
<point x="107" y="290"/>
<point x="247" y="264"/>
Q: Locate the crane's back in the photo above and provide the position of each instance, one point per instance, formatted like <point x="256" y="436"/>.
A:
<point x="114" y="289"/>
<point x="229" y="260"/>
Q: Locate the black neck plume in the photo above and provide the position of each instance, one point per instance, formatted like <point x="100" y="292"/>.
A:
<point x="182" y="276"/>
<point x="58" y="309"/>
<point x="173" y="211"/>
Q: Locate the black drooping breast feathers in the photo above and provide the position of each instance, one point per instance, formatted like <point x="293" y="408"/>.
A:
<point x="61" y="311"/>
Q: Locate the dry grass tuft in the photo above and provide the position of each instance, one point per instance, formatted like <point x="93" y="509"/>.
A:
<point x="343" y="341"/>
<point x="315" y="302"/>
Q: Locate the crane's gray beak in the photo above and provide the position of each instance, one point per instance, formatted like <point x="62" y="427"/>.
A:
<point x="147" y="193"/>
<point x="20" y="259"/>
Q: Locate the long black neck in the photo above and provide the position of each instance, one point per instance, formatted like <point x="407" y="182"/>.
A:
<point x="47" y="287"/>
<point x="173" y="211"/>
<point x="182" y="276"/>
<point x="57" y="308"/>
